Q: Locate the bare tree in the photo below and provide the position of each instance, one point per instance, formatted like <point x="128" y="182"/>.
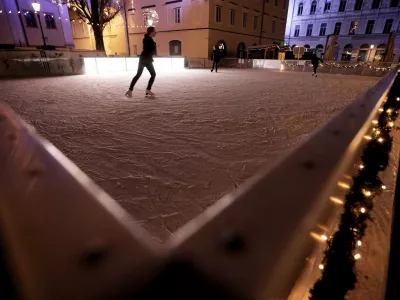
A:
<point x="97" y="13"/>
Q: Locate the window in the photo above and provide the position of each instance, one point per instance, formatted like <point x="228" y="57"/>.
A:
<point x="370" y="26"/>
<point x="50" y="22"/>
<point x="388" y="26"/>
<point x="273" y="27"/>
<point x="297" y="30"/>
<point x="30" y="19"/>
<point x="233" y="15"/>
<point x="255" y="22"/>
<point x="376" y="4"/>
<point x="300" y="9"/>
<point x="394" y="3"/>
<point x="309" y="29"/>
<point x="338" y="26"/>
<point x="244" y="20"/>
<point x="313" y="7"/>
<point x="342" y="5"/>
<point x="218" y="14"/>
<point x="327" y="6"/>
<point x="322" y="29"/>
<point x="177" y="15"/>
<point x="276" y="2"/>
<point x="353" y="27"/>
<point x="175" y="48"/>
<point x="358" y="5"/>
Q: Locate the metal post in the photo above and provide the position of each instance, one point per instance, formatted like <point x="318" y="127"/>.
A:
<point x="41" y="30"/>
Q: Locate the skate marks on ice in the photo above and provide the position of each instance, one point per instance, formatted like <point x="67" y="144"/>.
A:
<point x="167" y="159"/>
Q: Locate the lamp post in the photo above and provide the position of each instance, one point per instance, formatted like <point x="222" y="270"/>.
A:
<point x="36" y="7"/>
<point x="369" y="54"/>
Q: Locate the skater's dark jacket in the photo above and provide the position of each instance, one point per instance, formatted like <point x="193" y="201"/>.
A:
<point x="315" y="60"/>
<point x="216" y="55"/>
<point x="149" y="48"/>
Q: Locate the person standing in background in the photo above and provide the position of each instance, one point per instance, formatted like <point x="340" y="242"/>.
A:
<point x="216" y="58"/>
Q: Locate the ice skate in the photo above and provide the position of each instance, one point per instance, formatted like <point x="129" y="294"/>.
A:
<point x="128" y="94"/>
<point x="150" y="93"/>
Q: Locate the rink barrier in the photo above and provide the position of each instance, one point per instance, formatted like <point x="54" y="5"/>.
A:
<point x="103" y="65"/>
<point x="345" y="68"/>
<point x="63" y="237"/>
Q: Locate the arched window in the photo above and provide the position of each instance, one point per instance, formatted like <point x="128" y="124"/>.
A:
<point x="348" y="47"/>
<point x="300" y="9"/>
<point x="320" y="46"/>
<point x="313" y="7"/>
<point x="175" y="48"/>
<point x="381" y="46"/>
<point x="221" y="45"/>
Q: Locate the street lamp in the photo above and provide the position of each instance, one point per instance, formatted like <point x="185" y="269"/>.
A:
<point x="36" y="7"/>
<point x="369" y="54"/>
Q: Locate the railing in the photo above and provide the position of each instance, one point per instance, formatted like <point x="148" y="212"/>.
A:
<point x="345" y="68"/>
<point x="64" y="238"/>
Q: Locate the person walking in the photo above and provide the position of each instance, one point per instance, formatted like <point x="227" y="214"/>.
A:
<point x="146" y="61"/>
<point x="216" y="58"/>
<point x="315" y="62"/>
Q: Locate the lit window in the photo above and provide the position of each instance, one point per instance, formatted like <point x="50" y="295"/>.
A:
<point x="353" y="27"/>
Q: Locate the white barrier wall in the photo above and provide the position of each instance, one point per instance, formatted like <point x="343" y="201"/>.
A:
<point x="101" y="65"/>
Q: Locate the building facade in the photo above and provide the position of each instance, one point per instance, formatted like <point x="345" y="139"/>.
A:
<point x="362" y="27"/>
<point x="21" y="26"/>
<point x="191" y="27"/>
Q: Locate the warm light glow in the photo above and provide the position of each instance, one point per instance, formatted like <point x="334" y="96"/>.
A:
<point x="367" y="137"/>
<point x="324" y="237"/>
<point x="36" y="6"/>
<point x="378" y="132"/>
<point x="389" y="111"/>
<point x="391" y="124"/>
<point x="321" y="266"/>
<point x="380" y="140"/>
<point x="336" y="200"/>
<point x="343" y="185"/>
<point x="381" y="109"/>
<point x="359" y="243"/>
<point x="372" y="46"/>
<point x="357" y="256"/>
<point x="383" y="187"/>
<point x="363" y="210"/>
<point x="282" y="67"/>
<point x="367" y="193"/>
<point x="398" y="98"/>
<point x="362" y="167"/>
<point x="374" y="121"/>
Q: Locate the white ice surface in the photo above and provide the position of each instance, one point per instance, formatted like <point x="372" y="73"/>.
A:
<point x="167" y="159"/>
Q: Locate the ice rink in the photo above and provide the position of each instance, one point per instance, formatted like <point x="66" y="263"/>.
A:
<point x="167" y="159"/>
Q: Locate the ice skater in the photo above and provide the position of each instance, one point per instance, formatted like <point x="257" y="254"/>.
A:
<point x="146" y="61"/>
<point x="216" y="58"/>
<point x="315" y="62"/>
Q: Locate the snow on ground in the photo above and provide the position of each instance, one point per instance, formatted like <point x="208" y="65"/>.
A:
<point x="167" y="159"/>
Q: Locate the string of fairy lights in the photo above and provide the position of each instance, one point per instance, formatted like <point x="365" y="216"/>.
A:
<point x="342" y="66"/>
<point x="338" y="274"/>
